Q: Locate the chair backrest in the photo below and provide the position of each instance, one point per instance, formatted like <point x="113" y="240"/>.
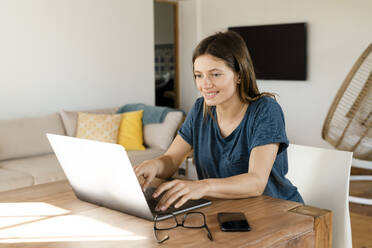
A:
<point x="322" y="178"/>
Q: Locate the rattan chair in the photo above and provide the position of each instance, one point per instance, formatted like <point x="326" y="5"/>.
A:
<point x="348" y="125"/>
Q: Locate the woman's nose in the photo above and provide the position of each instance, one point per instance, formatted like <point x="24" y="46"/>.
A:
<point x="206" y="83"/>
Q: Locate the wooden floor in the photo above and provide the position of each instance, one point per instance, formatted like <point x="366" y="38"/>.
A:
<point x="361" y="215"/>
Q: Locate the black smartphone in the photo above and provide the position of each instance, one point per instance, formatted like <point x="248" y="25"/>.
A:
<point x="233" y="222"/>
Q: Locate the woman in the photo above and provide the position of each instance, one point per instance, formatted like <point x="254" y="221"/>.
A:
<point x="237" y="133"/>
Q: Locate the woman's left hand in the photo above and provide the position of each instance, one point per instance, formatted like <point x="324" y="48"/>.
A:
<point x="180" y="191"/>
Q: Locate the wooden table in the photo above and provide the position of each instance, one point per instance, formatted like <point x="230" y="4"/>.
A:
<point x="50" y="215"/>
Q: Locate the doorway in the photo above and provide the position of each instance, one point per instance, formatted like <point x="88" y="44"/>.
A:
<point x="166" y="53"/>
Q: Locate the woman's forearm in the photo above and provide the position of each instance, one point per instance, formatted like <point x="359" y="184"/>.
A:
<point x="235" y="187"/>
<point x="173" y="157"/>
<point x="167" y="167"/>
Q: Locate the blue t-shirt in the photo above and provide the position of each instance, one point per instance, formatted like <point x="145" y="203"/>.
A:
<point x="219" y="157"/>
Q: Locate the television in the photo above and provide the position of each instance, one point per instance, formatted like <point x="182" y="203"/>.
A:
<point x="278" y="51"/>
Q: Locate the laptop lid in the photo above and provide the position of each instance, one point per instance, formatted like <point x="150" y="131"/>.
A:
<point x="101" y="173"/>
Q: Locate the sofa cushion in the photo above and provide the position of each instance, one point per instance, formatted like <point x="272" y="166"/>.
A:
<point x="99" y="127"/>
<point x="131" y="131"/>
<point x="137" y="157"/>
<point x="44" y="169"/>
<point x="161" y="135"/>
<point x="70" y="118"/>
<point x="13" y="180"/>
<point x="26" y="137"/>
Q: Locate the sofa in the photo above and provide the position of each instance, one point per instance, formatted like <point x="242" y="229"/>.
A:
<point x="27" y="159"/>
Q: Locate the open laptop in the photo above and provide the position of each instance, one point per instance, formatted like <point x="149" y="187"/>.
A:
<point x="101" y="173"/>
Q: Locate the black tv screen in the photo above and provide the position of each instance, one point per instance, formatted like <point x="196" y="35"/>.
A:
<point x="279" y="51"/>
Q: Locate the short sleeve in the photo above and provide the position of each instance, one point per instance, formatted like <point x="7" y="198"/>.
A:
<point x="187" y="129"/>
<point x="269" y="125"/>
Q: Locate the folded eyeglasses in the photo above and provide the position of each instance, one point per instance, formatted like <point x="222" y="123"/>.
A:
<point x="193" y="220"/>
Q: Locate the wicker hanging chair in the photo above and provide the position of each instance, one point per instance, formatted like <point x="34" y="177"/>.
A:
<point x="348" y="125"/>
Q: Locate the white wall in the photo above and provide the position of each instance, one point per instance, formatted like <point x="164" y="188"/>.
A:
<point x="338" y="32"/>
<point x="189" y="33"/>
<point x="74" y="54"/>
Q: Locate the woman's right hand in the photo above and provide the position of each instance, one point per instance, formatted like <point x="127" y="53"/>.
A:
<point x="164" y="166"/>
<point x="147" y="171"/>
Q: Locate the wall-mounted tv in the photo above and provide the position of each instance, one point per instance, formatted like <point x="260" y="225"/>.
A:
<point x="279" y="51"/>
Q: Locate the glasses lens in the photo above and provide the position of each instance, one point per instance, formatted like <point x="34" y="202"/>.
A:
<point x="167" y="223"/>
<point x="194" y="220"/>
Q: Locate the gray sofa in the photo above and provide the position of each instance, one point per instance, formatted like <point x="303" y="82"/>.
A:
<point x="27" y="159"/>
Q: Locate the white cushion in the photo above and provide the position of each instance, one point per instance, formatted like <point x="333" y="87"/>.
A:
<point x="44" y="169"/>
<point x="70" y="118"/>
<point x="13" y="180"/>
<point x="161" y="135"/>
<point x="26" y="137"/>
<point x="137" y="157"/>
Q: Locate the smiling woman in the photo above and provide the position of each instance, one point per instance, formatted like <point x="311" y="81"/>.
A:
<point x="218" y="83"/>
<point x="236" y="132"/>
<point x="214" y="78"/>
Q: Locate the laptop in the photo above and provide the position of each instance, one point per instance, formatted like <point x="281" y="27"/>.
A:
<point x="101" y="173"/>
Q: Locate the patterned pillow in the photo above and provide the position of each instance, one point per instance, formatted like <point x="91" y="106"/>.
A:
<point x="100" y="127"/>
<point x="70" y="118"/>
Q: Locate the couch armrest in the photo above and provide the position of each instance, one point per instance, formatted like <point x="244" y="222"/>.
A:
<point x="161" y="135"/>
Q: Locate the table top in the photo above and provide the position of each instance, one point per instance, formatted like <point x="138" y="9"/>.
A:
<point x="49" y="215"/>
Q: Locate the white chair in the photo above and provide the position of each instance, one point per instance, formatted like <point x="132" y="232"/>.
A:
<point x="322" y="178"/>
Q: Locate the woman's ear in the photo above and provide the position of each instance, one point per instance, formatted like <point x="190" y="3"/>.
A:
<point x="238" y="79"/>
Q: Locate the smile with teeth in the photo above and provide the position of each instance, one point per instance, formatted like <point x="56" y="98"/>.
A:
<point x="211" y="94"/>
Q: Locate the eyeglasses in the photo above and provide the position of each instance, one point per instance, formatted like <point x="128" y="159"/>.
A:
<point x="192" y="220"/>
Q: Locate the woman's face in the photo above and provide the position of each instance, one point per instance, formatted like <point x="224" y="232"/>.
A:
<point x="215" y="80"/>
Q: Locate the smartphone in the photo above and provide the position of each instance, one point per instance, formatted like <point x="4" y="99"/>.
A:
<point x="233" y="222"/>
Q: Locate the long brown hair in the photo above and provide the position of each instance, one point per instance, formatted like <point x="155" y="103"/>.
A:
<point x="231" y="48"/>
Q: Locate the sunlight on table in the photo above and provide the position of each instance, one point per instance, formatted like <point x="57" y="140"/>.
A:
<point x="18" y="213"/>
<point x="42" y="222"/>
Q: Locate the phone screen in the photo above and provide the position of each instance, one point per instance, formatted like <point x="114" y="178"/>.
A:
<point x="233" y="222"/>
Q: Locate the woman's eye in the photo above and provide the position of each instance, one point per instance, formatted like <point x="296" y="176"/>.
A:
<point x="197" y="76"/>
<point x="216" y="74"/>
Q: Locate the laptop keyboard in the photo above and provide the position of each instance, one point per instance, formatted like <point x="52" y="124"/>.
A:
<point x="189" y="205"/>
<point x="153" y="202"/>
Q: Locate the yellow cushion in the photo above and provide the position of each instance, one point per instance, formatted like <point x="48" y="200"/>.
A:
<point x="100" y="127"/>
<point x="130" y="132"/>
